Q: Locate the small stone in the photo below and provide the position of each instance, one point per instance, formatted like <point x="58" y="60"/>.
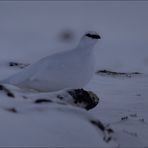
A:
<point x="12" y="110"/>
<point x="39" y="101"/>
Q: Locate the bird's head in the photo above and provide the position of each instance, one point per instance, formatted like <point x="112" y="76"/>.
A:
<point x="89" y="39"/>
<point x="92" y="35"/>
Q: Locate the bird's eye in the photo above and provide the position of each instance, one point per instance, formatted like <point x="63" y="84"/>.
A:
<point x="93" y="36"/>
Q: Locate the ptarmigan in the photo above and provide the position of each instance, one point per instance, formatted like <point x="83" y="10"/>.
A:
<point x="69" y="69"/>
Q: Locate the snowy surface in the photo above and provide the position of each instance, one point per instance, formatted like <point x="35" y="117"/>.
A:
<point x="28" y="32"/>
<point x="124" y="106"/>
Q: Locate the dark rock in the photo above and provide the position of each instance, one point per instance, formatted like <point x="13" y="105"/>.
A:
<point x="7" y="91"/>
<point x="39" y="101"/>
<point x="107" y="131"/>
<point x="13" y="110"/>
<point x="80" y="96"/>
<point x="16" y="64"/>
<point x="133" y="115"/>
<point x="110" y="130"/>
<point x="1" y="87"/>
<point x="13" y="64"/>
<point x="113" y="73"/>
<point x="142" y="120"/>
<point x="98" y="124"/>
<point x="124" y="118"/>
<point x="25" y="97"/>
<point x="60" y="97"/>
<point x="9" y="94"/>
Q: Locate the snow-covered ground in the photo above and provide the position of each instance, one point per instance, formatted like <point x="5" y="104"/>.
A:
<point x="29" y="31"/>
<point x="123" y="105"/>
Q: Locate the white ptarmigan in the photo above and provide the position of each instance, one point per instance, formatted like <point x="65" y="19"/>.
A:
<point x="69" y="69"/>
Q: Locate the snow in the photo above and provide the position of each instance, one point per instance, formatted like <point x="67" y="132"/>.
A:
<point x="124" y="107"/>
<point x="29" y="32"/>
<point x="52" y="128"/>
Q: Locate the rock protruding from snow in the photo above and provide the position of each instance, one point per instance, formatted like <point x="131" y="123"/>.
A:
<point x="85" y="98"/>
<point x="18" y="65"/>
<point x="117" y="74"/>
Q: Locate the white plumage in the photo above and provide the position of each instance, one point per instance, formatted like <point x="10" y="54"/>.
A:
<point x="69" y="69"/>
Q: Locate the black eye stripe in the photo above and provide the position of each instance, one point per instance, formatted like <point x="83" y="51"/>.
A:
<point x="93" y="36"/>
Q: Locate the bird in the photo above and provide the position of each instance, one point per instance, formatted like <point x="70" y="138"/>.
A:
<point x="68" y="69"/>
